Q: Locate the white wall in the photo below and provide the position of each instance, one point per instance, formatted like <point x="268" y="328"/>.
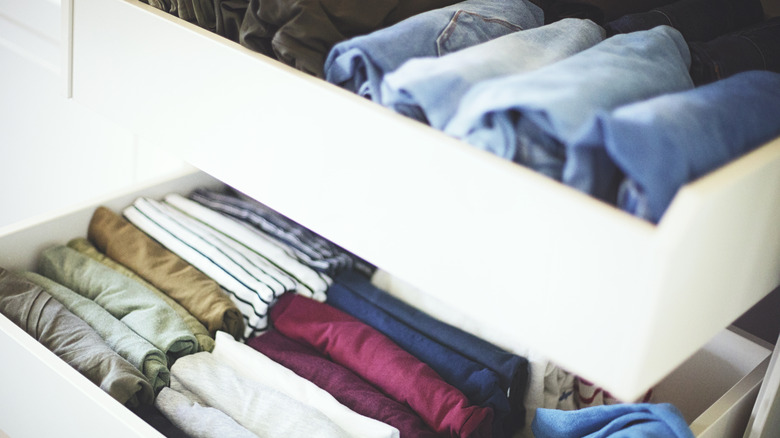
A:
<point x="53" y="152"/>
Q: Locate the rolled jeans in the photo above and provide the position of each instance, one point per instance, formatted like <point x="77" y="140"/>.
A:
<point x="663" y="143"/>
<point x="430" y="89"/>
<point x="754" y="48"/>
<point x="532" y="117"/>
<point x="360" y="63"/>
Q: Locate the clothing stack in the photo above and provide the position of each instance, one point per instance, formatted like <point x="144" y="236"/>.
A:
<point x="159" y="307"/>
<point x="699" y="79"/>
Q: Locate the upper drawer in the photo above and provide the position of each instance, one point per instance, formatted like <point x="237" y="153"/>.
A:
<point x="612" y="298"/>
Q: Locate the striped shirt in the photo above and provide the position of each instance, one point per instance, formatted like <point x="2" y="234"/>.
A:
<point x="251" y="284"/>
<point x="310" y="248"/>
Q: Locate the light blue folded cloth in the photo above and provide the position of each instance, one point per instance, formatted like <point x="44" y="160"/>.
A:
<point x="641" y="420"/>
<point x="663" y="143"/>
<point x="532" y="118"/>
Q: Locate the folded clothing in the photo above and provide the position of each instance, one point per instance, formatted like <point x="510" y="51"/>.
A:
<point x="663" y="143"/>
<point x="72" y="340"/>
<point x="124" y="298"/>
<point x="130" y="345"/>
<point x="380" y="361"/>
<point x="360" y="63"/>
<point x="641" y="420"/>
<point x="200" y="295"/>
<point x="346" y="386"/>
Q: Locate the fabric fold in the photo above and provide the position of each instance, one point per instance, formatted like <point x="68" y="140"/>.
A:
<point x="196" y="420"/>
<point x="359" y="64"/>
<point x="205" y="341"/>
<point x="309" y="248"/>
<point x="532" y="118"/>
<point x="630" y="420"/>
<point x="72" y="340"/>
<point x="383" y="363"/>
<point x="346" y="386"/>
<point x="478" y="383"/>
<point x="124" y="298"/>
<point x="261" y="249"/>
<point x="138" y="351"/>
<point x="262" y="410"/>
<point x="252" y="283"/>
<point x="511" y="370"/>
<point x="663" y="143"/>
<point x="200" y="295"/>
<point x="255" y="366"/>
<point x="430" y="89"/>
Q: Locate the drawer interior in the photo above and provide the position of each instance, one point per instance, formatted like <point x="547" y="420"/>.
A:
<point x="696" y="388"/>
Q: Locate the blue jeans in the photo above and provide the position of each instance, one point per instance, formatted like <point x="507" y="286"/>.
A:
<point x="697" y="20"/>
<point x="511" y="369"/>
<point x="531" y="118"/>
<point x="430" y="89"/>
<point x="756" y="47"/>
<point x="479" y="384"/>
<point x="360" y="63"/>
<point x="645" y="420"/>
<point x="663" y="143"/>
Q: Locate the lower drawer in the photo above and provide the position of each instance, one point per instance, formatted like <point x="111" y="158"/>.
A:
<point x="715" y="389"/>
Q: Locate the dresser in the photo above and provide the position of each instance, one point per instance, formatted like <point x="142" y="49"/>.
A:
<point x="455" y="222"/>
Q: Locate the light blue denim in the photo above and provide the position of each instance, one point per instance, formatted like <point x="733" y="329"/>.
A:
<point x="663" y="143"/>
<point x="532" y="117"/>
<point x="629" y="420"/>
<point x="360" y="63"/>
<point x="429" y="89"/>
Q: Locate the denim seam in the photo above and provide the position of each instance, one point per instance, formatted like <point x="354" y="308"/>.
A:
<point x="669" y="19"/>
<point x="451" y="26"/>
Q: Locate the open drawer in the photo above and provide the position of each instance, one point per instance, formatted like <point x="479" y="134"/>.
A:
<point x="629" y="301"/>
<point x="717" y="385"/>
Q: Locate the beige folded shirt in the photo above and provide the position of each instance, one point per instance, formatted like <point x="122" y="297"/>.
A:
<point x="205" y="341"/>
<point x="200" y="295"/>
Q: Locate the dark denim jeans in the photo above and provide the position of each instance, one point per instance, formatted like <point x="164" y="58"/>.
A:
<point x="598" y="11"/>
<point x="697" y="20"/>
<point x="754" y="48"/>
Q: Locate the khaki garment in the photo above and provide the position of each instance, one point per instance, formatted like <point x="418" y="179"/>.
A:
<point x="205" y="341"/>
<point x="200" y="295"/>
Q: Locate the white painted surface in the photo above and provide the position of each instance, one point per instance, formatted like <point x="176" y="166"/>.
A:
<point x="55" y="152"/>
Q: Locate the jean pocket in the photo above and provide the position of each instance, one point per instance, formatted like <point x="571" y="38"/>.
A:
<point x="467" y="29"/>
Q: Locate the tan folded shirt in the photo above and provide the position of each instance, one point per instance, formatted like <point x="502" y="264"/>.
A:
<point x="205" y="341"/>
<point x="200" y="295"/>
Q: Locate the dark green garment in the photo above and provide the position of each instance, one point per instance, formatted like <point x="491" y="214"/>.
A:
<point x="205" y="341"/>
<point x="200" y="12"/>
<point x="230" y="15"/>
<point x="195" y="291"/>
<point x="137" y="307"/>
<point x="71" y="339"/>
<point x="300" y="33"/>
<point x="138" y="351"/>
